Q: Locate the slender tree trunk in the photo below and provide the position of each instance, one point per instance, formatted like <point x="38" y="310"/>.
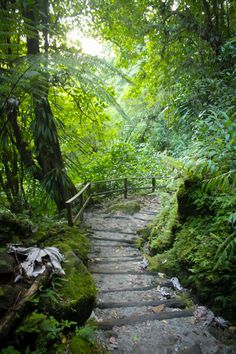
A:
<point x="46" y="139"/>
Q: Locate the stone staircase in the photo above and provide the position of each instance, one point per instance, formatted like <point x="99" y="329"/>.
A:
<point x="138" y="311"/>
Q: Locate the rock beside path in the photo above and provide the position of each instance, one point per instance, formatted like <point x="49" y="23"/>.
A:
<point x="137" y="311"/>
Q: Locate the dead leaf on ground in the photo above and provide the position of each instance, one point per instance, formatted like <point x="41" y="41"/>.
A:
<point x="158" y="309"/>
<point x="161" y="275"/>
<point x="113" y="340"/>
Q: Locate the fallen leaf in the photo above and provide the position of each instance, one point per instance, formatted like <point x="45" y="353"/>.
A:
<point x="63" y="340"/>
<point x="232" y="329"/>
<point x="158" y="309"/>
<point x="113" y="340"/>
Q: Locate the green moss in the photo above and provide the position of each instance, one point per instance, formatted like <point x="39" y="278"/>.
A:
<point x="72" y="296"/>
<point x="162" y="230"/>
<point x="192" y="239"/>
<point x="74" y="240"/>
<point x="66" y="239"/>
<point x="75" y="293"/>
<point x="128" y="207"/>
<point x="81" y="346"/>
<point x="79" y="283"/>
<point x="165" y="262"/>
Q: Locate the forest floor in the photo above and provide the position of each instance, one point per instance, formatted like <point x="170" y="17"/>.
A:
<point x="138" y="311"/>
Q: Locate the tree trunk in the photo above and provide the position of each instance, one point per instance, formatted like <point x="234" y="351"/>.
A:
<point x="49" y="156"/>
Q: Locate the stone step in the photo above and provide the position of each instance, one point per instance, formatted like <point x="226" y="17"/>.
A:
<point x="131" y="289"/>
<point x="114" y="235"/>
<point x="114" y="230"/>
<point x="175" y="303"/>
<point x="116" y="259"/>
<point x="126" y="226"/>
<point x="117" y="217"/>
<point x="144" y="217"/>
<point x="131" y="272"/>
<point x="119" y="266"/>
<point x="111" y="239"/>
<point x="138" y="318"/>
<point x="111" y="252"/>
<point x="106" y="243"/>
<point x="150" y="293"/>
<point x="121" y="281"/>
<point x="166" y="336"/>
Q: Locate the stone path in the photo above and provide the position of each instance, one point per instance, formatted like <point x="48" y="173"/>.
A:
<point x="138" y="311"/>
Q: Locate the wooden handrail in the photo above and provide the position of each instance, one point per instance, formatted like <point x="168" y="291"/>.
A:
<point x="88" y="188"/>
<point x="79" y="193"/>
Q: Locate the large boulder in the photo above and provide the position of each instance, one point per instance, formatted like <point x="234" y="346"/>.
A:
<point x="75" y="293"/>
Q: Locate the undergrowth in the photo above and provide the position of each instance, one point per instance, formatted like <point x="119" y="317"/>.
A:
<point x="194" y="238"/>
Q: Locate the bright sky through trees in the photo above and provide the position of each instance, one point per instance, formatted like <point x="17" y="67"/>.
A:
<point x="89" y="45"/>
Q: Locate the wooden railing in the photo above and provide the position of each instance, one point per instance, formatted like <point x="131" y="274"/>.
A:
<point x="84" y="196"/>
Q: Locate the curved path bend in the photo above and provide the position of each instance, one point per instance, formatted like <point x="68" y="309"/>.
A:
<point x="137" y="311"/>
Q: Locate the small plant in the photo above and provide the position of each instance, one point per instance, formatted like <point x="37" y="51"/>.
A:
<point x="86" y="333"/>
<point x="41" y="330"/>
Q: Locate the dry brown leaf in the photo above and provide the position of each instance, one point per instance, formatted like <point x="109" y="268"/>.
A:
<point x="161" y="275"/>
<point x="113" y="340"/>
<point x="158" y="309"/>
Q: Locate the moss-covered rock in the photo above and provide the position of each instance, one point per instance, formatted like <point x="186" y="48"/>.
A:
<point x="75" y="293"/>
<point x="128" y="207"/>
<point x="65" y="238"/>
<point x="71" y="297"/>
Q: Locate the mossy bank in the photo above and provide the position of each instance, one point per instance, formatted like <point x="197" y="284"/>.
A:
<point x="63" y="303"/>
<point x="193" y="239"/>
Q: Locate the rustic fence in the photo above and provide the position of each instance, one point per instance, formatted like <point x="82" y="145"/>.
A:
<point x="104" y="187"/>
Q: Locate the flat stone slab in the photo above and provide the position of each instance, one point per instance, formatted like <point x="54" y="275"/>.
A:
<point x="117" y="266"/>
<point x="166" y="336"/>
<point x="134" y="295"/>
<point x="115" y="259"/>
<point x="113" y="235"/>
<point x="109" y="243"/>
<point x="132" y="315"/>
<point x="119" y="281"/>
<point x="144" y="303"/>
<point x="111" y="251"/>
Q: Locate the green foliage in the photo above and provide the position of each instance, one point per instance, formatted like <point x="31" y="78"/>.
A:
<point x="10" y="350"/>
<point x="41" y="330"/>
<point x="202" y="248"/>
<point x="127" y="159"/>
<point x="87" y="333"/>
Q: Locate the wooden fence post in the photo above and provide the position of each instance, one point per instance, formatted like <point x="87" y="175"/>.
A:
<point x="153" y="184"/>
<point x="81" y="201"/>
<point x="69" y="214"/>
<point x="125" y="188"/>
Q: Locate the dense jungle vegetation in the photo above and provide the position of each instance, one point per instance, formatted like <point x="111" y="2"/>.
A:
<point x="159" y="100"/>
